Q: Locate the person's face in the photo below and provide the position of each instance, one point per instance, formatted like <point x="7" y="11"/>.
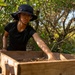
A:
<point x="25" y="17"/>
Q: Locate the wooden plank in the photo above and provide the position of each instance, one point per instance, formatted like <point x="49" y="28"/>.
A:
<point x="48" y="68"/>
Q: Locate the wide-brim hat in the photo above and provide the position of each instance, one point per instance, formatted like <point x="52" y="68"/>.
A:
<point x="24" y="8"/>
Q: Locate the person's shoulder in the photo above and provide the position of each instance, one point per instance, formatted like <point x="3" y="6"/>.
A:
<point x="9" y="26"/>
<point x="11" y="23"/>
<point x="31" y="30"/>
<point x="29" y="26"/>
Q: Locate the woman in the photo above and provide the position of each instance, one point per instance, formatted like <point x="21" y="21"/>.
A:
<point x="20" y="31"/>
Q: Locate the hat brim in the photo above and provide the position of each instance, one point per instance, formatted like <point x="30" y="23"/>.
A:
<point x="15" y="15"/>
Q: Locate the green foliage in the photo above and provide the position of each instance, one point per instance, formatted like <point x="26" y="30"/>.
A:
<point x="2" y="4"/>
<point x="48" y="10"/>
<point x="68" y="48"/>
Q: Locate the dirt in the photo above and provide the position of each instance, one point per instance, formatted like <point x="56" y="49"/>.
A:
<point x="31" y="60"/>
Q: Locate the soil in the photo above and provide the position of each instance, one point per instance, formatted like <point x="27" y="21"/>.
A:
<point x="31" y="60"/>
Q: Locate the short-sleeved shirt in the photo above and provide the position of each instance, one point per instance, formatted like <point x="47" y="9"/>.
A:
<point x="18" y="40"/>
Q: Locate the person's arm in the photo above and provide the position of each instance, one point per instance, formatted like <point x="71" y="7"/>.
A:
<point x="43" y="46"/>
<point x="5" y="40"/>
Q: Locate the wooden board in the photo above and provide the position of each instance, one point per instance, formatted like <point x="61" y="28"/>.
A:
<point x="25" y="63"/>
<point x="48" y="68"/>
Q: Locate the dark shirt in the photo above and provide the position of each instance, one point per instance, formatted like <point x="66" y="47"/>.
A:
<point x="18" y="40"/>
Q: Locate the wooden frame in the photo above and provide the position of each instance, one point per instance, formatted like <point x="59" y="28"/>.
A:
<point x="23" y="63"/>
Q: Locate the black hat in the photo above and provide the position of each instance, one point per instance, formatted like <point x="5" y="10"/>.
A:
<point x="24" y="8"/>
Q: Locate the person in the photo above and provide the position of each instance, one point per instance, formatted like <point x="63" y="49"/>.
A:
<point x="20" y="32"/>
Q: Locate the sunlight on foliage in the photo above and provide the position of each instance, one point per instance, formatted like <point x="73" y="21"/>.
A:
<point x="3" y="4"/>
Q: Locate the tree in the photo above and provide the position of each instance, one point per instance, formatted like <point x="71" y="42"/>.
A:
<point x="53" y="11"/>
<point x="51" y="22"/>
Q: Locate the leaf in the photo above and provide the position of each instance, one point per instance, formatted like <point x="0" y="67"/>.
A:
<point x="3" y="4"/>
<point x="1" y="0"/>
<point x="21" y="0"/>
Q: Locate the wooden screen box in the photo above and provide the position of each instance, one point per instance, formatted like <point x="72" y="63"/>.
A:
<point x="36" y="63"/>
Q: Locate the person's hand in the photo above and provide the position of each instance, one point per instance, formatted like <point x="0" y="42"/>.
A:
<point x="51" y="56"/>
